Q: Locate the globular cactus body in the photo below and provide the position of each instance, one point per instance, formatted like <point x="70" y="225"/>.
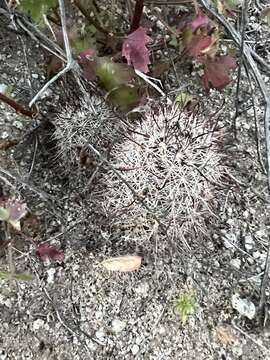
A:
<point x="91" y="122"/>
<point x="171" y="161"/>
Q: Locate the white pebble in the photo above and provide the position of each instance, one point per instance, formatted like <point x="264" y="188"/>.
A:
<point x="37" y="324"/>
<point x="245" y="307"/>
<point x="118" y="325"/>
<point x="135" y="349"/>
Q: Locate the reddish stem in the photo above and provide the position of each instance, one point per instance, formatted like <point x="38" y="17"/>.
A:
<point x="19" y="108"/>
<point x="137" y="15"/>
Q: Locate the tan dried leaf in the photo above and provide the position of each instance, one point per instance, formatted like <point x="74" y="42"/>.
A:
<point x="265" y="14"/>
<point x="122" y="263"/>
<point x="225" y="336"/>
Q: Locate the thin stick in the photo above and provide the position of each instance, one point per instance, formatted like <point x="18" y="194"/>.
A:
<point x="40" y="193"/>
<point x="137" y="15"/>
<point x="19" y="108"/>
<point x="261" y="84"/>
<point x="260" y="346"/>
<point x="90" y="19"/>
<point x="243" y="28"/>
<point x="71" y="63"/>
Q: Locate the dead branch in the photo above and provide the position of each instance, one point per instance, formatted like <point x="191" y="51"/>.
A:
<point x="17" y="107"/>
<point x="71" y="63"/>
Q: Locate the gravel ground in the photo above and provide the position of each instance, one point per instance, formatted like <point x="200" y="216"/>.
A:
<point x="77" y="309"/>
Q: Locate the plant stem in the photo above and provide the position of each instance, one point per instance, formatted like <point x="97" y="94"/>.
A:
<point x="91" y="20"/>
<point x="137" y="15"/>
<point x="19" y="108"/>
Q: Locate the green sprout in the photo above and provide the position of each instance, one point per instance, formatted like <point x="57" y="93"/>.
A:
<point x="185" y="305"/>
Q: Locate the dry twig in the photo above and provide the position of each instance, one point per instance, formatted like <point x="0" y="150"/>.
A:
<point x="248" y="56"/>
<point x="71" y="63"/>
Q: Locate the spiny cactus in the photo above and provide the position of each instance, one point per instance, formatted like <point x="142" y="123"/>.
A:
<point x="91" y="122"/>
<point x="172" y="161"/>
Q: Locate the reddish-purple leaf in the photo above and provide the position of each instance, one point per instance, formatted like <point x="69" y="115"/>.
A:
<point x="198" y="43"/>
<point x="216" y="72"/>
<point x="135" y="51"/>
<point x="227" y="61"/>
<point x="87" y="61"/>
<point x="45" y="251"/>
<point x="199" y="20"/>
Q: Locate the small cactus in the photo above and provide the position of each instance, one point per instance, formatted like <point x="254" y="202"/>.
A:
<point x="171" y="160"/>
<point x="91" y="122"/>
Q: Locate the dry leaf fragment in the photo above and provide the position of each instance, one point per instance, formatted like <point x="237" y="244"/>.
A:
<point x="265" y="14"/>
<point x="7" y="143"/>
<point x="122" y="263"/>
<point x="225" y="336"/>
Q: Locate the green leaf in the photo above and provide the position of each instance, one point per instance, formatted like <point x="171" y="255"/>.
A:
<point x="4" y="214"/>
<point x="125" y="96"/>
<point x="112" y="75"/>
<point x="183" y="99"/>
<point x="6" y="275"/>
<point x="187" y="35"/>
<point x="84" y="39"/>
<point x="174" y="41"/>
<point x="37" y="8"/>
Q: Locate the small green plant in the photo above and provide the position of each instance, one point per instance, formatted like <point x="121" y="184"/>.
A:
<point x="185" y="305"/>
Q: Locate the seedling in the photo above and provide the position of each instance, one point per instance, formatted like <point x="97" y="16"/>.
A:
<point x="185" y="305"/>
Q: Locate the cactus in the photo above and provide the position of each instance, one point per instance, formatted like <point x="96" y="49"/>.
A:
<point x="172" y="162"/>
<point x="89" y="122"/>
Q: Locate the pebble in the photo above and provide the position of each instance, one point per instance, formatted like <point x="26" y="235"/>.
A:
<point x="100" y="334"/>
<point x="236" y="263"/>
<point x="142" y="289"/>
<point x="244" y="306"/>
<point x="229" y="240"/>
<point x="249" y="242"/>
<point x="135" y="349"/>
<point x="50" y="277"/>
<point x="256" y="254"/>
<point x="37" y="324"/>
<point x="118" y="325"/>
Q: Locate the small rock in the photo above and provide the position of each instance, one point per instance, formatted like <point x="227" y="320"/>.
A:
<point x="229" y="240"/>
<point x="118" y="325"/>
<point x="142" y="289"/>
<point x="261" y="233"/>
<point x="139" y="340"/>
<point x="162" y="330"/>
<point x="256" y="254"/>
<point x="245" y="307"/>
<point x="236" y="263"/>
<point x="50" y="277"/>
<point x="135" y="349"/>
<point x="100" y="334"/>
<point x="37" y="324"/>
<point x="249" y="242"/>
<point x="35" y="76"/>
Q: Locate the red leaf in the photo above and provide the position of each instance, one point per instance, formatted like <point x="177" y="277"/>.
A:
<point x="45" y="251"/>
<point x="198" y="43"/>
<point x="199" y="20"/>
<point x="87" y="60"/>
<point x="216" y="72"/>
<point x="135" y="51"/>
